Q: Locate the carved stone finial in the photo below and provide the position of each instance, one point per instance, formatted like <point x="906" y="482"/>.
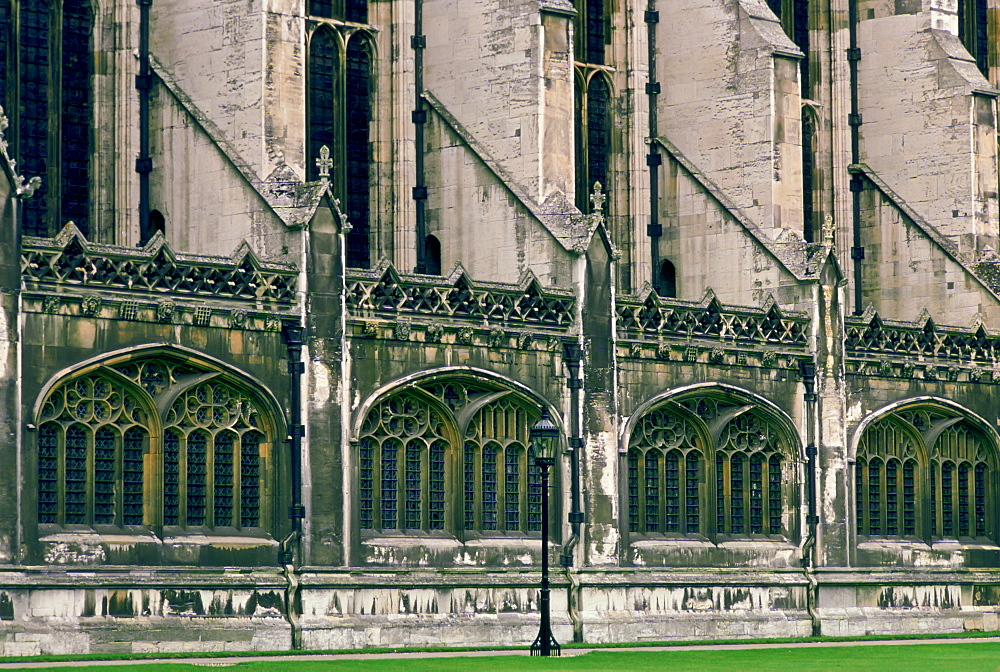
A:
<point x="829" y="231"/>
<point x="324" y="162"/>
<point x="597" y="199"/>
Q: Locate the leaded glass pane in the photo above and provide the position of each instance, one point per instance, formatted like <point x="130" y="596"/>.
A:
<point x="104" y="476"/>
<point x="470" y="485"/>
<point x="891" y="499"/>
<point x="874" y="497"/>
<point x="652" y="491"/>
<point x="358" y="106"/>
<point x="947" y="503"/>
<point x="356" y="10"/>
<point x="197" y="449"/>
<point x="534" y="493"/>
<point x="980" y="495"/>
<point x="774" y="495"/>
<point x="48" y="473"/>
<point x="390" y="484"/>
<point x="133" y="449"/>
<point x="489" y="499"/>
<point x="223" y="478"/>
<point x="33" y="117"/>
<point x="963" y="500"/>
<point x="321" y="8"/>
<point x="633" y="491"/>
<point x="414" y="485"/>
<point x="75" y="93"/>
<point x="595" y="31"/>
<point x="598" y="133"/>
<point x="436" y="486"/>
<point x="250" y="479"/>
<point x="756" y="494"/>
<point x="323" y="69"/>
<point x="692" y="505"/>
<point x="672" y="495"/>
<point x="512" y="488"/>
<point x="736" y="490"/>
<point x="171" y="478"/>
<point x="860" y="496"/>
<point x="366" y="480"/>
<point x="76" y="475"/>
<point x="909" y="498"/>
<point x="720" y="494"/>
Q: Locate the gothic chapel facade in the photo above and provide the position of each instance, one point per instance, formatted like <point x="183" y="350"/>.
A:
<point x="285" y="283"/>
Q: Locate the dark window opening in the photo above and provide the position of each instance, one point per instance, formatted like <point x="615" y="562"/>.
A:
<point x="591" y="31"/>
<point x="54" y="72"/>
<point x="347" y="10"/>
<point x="972" y="31"/>
<point x="808" y="166"/>
<point x="668" y="280"/>
<point x="322" y="77"/>
<point x="593" y="139"/>
<point x="357" y="154"/>
<point x="432" y="254"/>
<point x="157" y="222"/>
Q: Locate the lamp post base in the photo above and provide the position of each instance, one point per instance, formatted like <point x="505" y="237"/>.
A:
<point x="545" y="645"/>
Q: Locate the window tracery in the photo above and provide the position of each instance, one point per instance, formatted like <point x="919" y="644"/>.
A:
<point x="707" y="465"/>
<point x="107" y="456"/>
<point x="449" y="456"/>
<point x="48" y="92"/>
<point x="341" y="75"/>
<point x="923" y="472"/>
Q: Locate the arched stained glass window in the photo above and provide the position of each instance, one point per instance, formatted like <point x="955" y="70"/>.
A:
<point x="416" y="472"/>
<point x="102" y="440"/>
<point x="593" y="139"/>
<point x="346" y="10"/>
<point x="53" y="115"/>
<point x="924" y="472"/>
<point x="687" y="473"/>
<point x="340" y="88"/>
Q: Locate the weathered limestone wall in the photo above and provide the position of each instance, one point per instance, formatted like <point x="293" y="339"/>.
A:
<point x="217" y="49"/>
<point x="239" y="612"/>
<point x="734" y="110"/>
<point x="223" y="208"/>
<point x="698" y="231"/>
<point x="506" y="75"/>
<point x="480" y="221"/>
<point x="906" y="271"/>
<point x="929" y="126"/>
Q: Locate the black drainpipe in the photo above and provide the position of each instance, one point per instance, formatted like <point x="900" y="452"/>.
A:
<point x="572" y="357"/>
<point x="857" y="180"/>
<point x="807" y="367"/>
<point x="295" y="335"/>
<point x="143" y="84"/>
<point x="419" y="42"/>
<point x="654" y="230"/>
<point x="291" y="546"/>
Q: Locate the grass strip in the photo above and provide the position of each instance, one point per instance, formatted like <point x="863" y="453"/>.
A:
<point x="957" y="656"/>
<point x="172" y="655"/>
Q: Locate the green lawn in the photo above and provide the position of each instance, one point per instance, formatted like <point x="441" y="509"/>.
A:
<point x="958" y="657"/>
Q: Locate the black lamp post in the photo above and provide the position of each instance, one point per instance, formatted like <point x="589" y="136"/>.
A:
<point x="545" y="438"/>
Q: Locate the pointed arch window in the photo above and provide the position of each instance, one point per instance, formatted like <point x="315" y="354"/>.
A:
<point x="449" y="457"/>
<point x="924" y="472"/>
<point x="593" y="136"/>
<point x="346" y="10"/>
<point x="973" y="31"/>
<point x="137" y="443"/>
<point x="47" y="91"/>
<point x="710" y="465"/>
<point x="340" y="91"/>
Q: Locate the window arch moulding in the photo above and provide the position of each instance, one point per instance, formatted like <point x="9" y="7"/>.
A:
<point x="444" y="463"/>
<point x="703" y="470"/>
<point x="172" y="457"/>
<point x="924" y="471"/>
